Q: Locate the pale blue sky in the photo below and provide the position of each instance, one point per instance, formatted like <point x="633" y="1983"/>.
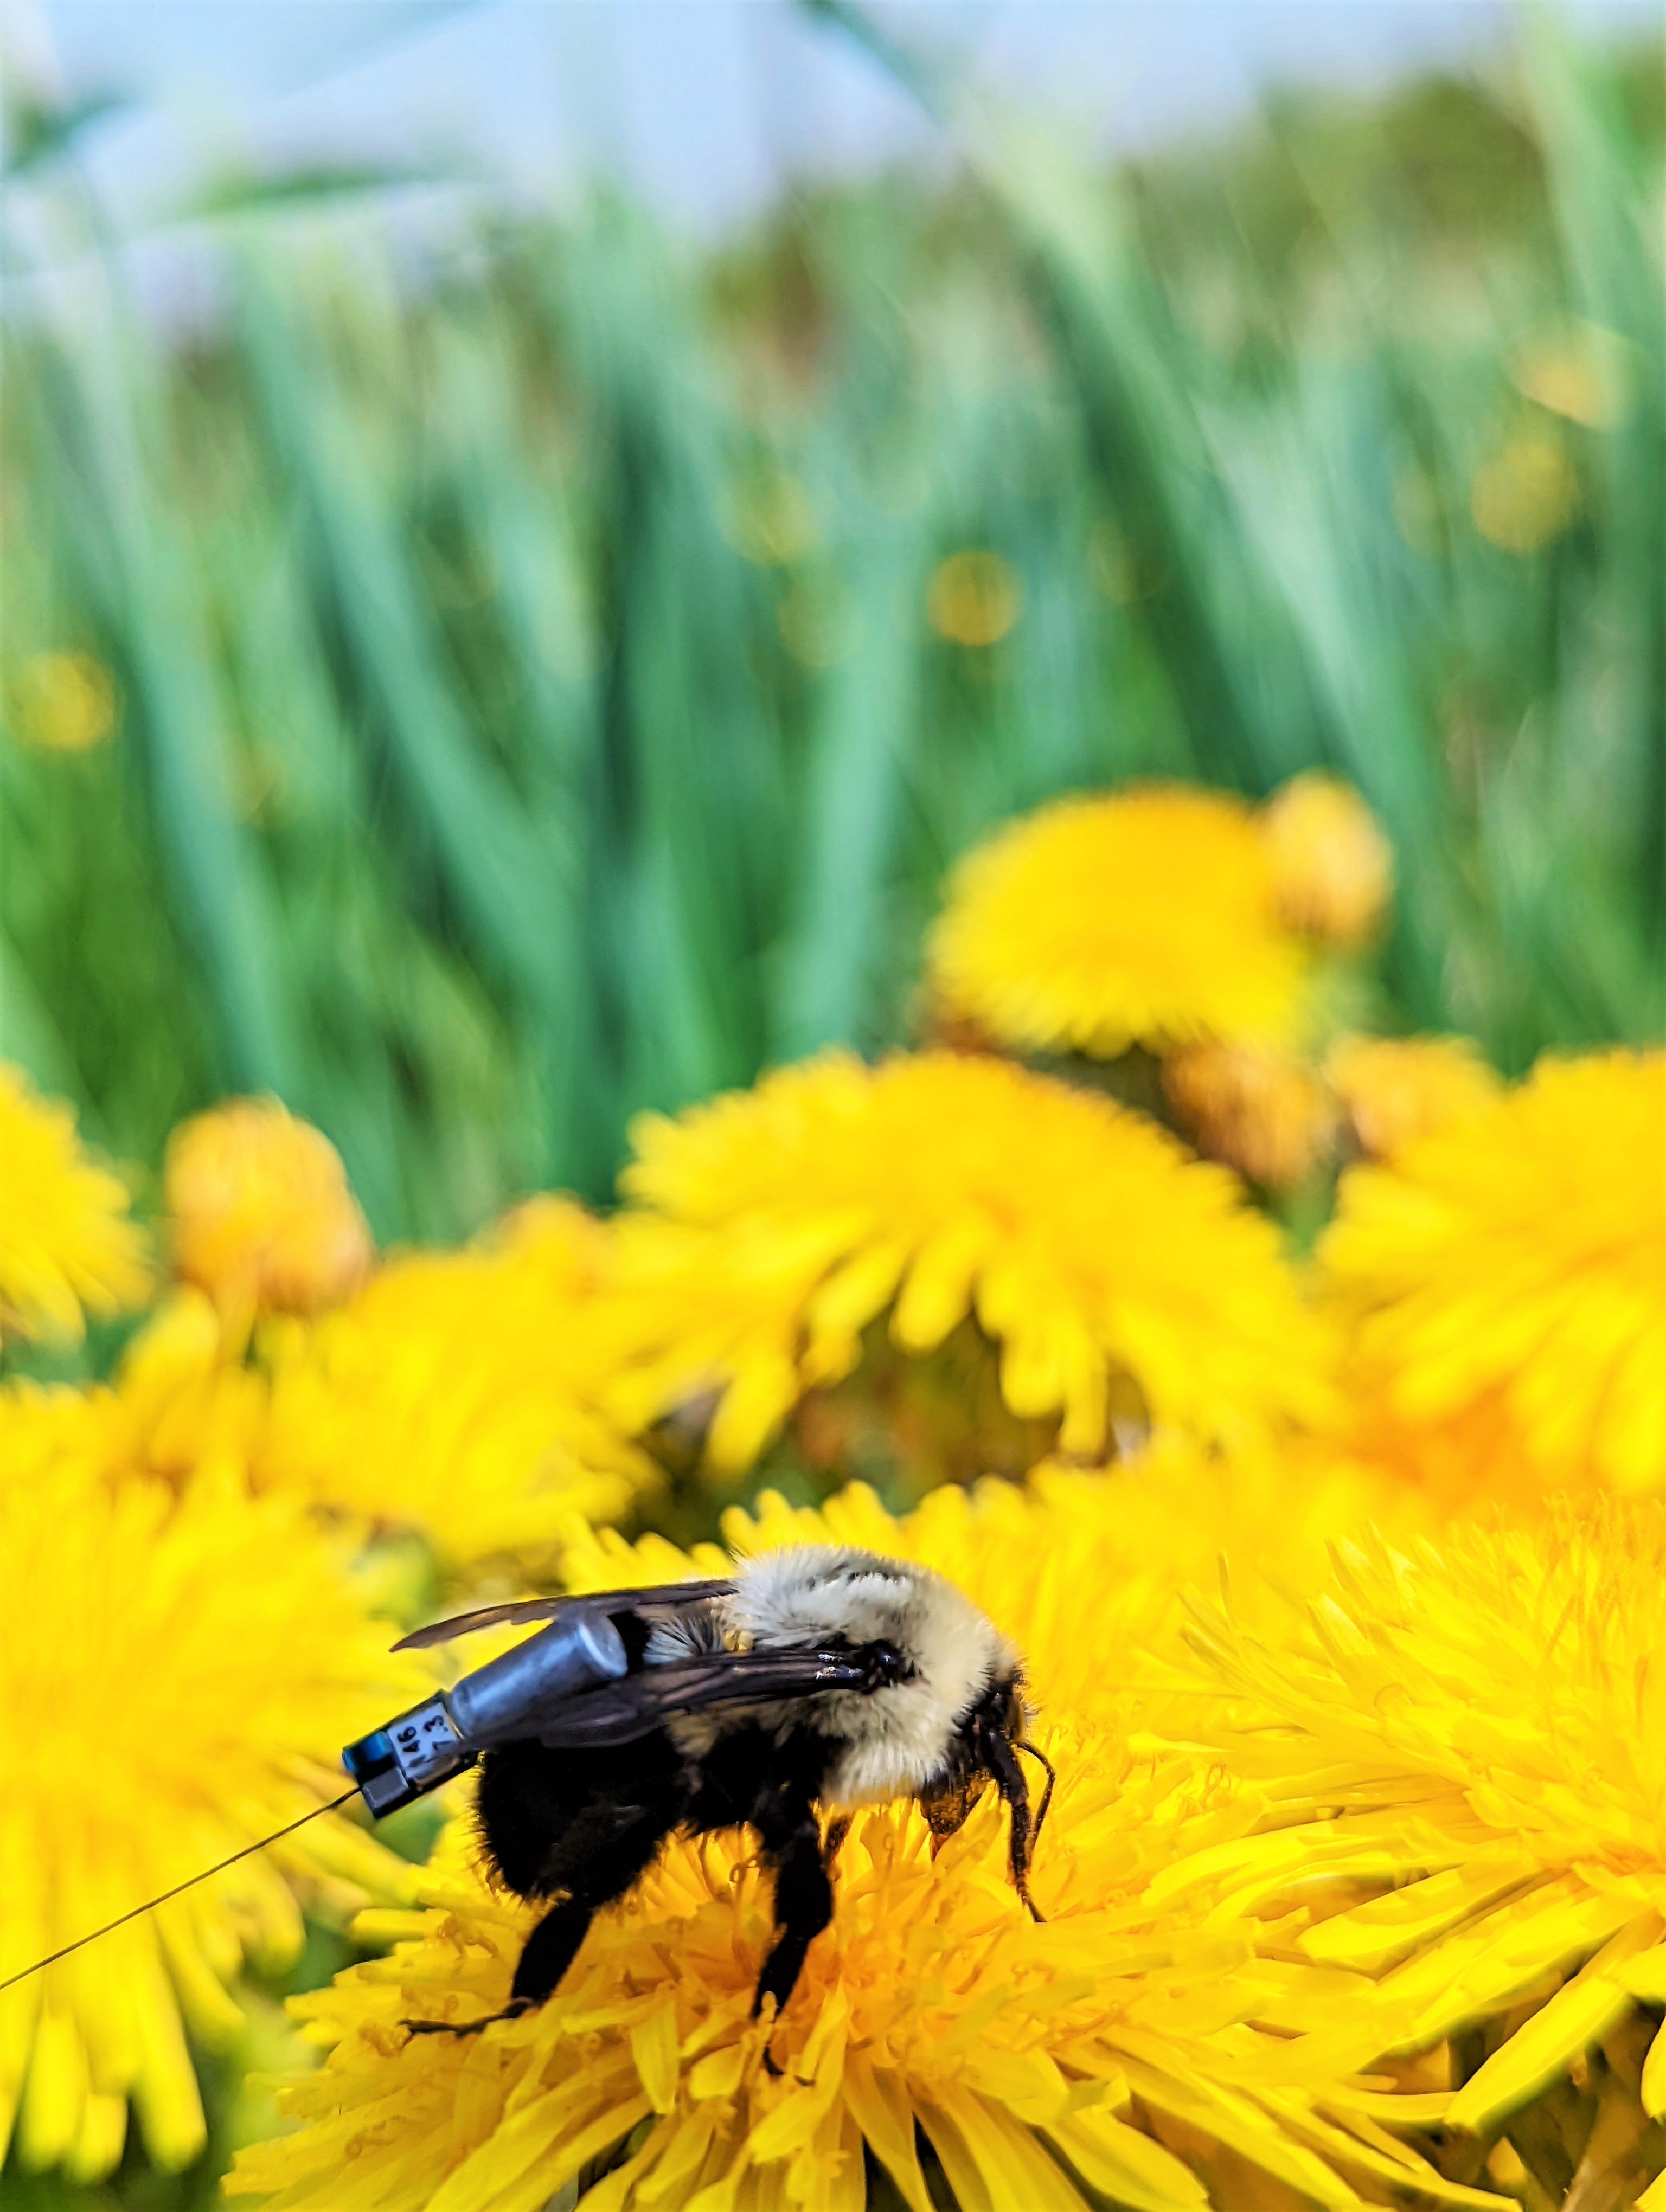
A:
<point x="703" y="106"/>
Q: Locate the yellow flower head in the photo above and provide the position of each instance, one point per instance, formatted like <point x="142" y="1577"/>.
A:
<point x="1509" y="1274"/>
<point x="67" y="1245"/>
<point x="458" y="1393"/>
<point x="1146" y="916"/>
<point x="182" y="1401"/>
<point x="1396" y="1090"/>
<point x="773" y="1226"/>
<point x="261" y="1211"/>
<point x="178" y="1671"/>
<point x="1261" y="1112"/>
<point x="1333" y="869"/>
<point x="1477" y="1733"/>
<point x="1019" y="2050"/>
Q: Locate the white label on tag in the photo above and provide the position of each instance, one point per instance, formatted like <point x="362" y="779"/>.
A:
<point x="425" y="1743"/>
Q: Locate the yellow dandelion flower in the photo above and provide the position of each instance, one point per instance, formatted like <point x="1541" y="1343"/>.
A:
<point x="178" y="1671"/>
<point x="1475" y="1731"/>
<point x="186" y="1399"/>
<point x="1262" y="1113"/>
<point x="1333" y="869"/>
<point x="260" y="1213"/>
<point x="458" y="1393"/>
<point x="772" y="1226"/>
<point x="1396" y="1090"/>
<point x="1034" y="2060"/>
<point x="67" y="1245"/>
<point x="1145" y="916"/>
<point x="183" y="1399"/>
<point x="1509" y="1272"/>
<point x="183" y="1403"/>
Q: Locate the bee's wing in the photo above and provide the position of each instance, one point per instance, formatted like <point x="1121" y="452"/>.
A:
<point x="636" y="1704"/>
<point x="544" y="1608"/>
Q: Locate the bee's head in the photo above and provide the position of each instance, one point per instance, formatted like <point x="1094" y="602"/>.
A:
<point x="986" y="1742"/>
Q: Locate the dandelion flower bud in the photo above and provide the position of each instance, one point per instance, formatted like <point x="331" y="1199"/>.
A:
<point x="1260" y="1112"/>
<point x="261" y="1213"/>
<point x="1333" y="870"/>
<point x="1395" y="1090"/>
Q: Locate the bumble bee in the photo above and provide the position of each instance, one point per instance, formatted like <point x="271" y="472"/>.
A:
<point x="816" y="1679"/>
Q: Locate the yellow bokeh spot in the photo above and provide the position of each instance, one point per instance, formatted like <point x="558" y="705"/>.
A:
<point x="65" y="703"/>
<point x="1578" y="370"/>
<point x="770" y="518"/>
<point x="1528" y="493"/>
<point x="973" y="598"/>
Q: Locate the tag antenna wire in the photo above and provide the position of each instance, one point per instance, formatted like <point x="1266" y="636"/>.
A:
<point x="121" y="1921"/>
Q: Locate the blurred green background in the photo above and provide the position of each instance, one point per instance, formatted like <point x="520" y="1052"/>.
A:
<point x="481" y="692"/>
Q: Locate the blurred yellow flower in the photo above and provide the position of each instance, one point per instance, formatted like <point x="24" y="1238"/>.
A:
<point x="183" y="1399"/>
<point x="1145" y="916"/>
<point x="973" y="598"/>
<point x="771" y="517"/>
<point x="186" y="1398"/>
<point x="259" y="1210"/>
<point x="67" y="1245"/>
<point x="1261" y="1112"/>
<point x="1579" y="370"/>
<point x="458" y="1393"/>
<point x="1030" y="2057"/>
<point x="1508" y="1272"/>
<point x="1396" y="1090"/>
<point x="1528" y="492"/>
<point x="769" y="1228"/>
<point x="65" y="703"/>
<point x="1333" y="869"/>
<point x="178" y="1671"/>
<point x="1475" y="1731"/>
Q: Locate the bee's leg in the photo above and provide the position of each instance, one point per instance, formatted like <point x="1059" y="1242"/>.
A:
<point x="546" y="1955"/>
<point x="553" y="1945"/>
<point x="786" y="1820"/>
<point x="833" y="1841"/>
<point x="1009" y="1780"/>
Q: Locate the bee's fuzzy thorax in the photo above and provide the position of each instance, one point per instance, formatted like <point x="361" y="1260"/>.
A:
<point x="895" y="1740"/>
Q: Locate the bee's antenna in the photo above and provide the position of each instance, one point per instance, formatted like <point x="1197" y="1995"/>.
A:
<point x="122" y="1920"/>
<point x="1041" y="1759"/>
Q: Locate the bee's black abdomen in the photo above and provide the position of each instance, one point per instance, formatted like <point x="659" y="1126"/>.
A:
<point x="550" y="1819"/>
